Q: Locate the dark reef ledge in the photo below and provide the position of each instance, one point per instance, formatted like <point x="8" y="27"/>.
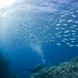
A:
<point x="64" y="70"/>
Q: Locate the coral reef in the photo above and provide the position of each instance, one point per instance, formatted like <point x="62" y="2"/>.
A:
<point x="64" y="70"/>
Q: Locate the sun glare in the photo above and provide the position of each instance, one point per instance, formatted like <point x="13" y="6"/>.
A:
<point x="5" y="3"/>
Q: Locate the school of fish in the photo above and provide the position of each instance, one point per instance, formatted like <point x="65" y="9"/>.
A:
<point x="36" y="24"/>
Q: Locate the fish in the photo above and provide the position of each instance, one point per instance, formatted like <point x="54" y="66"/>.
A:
<point x="68" y="27"/>
<point x="74" y="16"/>
<point x="58" y="44"/>
<point x="55" y="27"/>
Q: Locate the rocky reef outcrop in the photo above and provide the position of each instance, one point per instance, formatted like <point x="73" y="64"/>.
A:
<point x="4" y="67"/>
<point x="64" y="70"/>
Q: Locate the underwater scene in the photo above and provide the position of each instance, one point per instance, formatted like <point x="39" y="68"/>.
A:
<point x="38" y="38"/>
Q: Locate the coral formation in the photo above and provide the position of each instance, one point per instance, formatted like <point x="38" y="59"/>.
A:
<point x="64" y="70"/>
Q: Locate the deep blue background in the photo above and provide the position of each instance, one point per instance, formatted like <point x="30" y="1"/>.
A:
<point x="24" y="57"/>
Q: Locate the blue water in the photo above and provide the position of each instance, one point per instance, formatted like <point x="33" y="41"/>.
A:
<point x="23" y="58"/>
<point x="26" y="55"/>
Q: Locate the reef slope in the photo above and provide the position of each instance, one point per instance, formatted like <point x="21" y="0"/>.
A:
<point x="64" y="70"/>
